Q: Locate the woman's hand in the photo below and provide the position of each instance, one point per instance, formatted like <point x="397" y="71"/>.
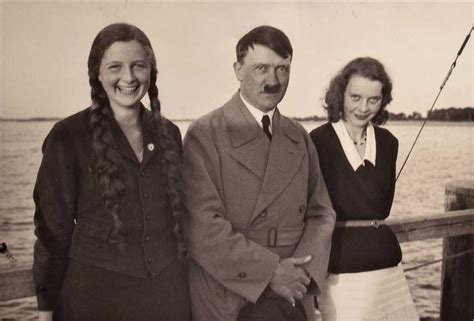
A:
<point x="45" y="315"/>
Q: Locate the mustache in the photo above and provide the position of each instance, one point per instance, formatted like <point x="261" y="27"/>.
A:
<point x="271" y="89"/>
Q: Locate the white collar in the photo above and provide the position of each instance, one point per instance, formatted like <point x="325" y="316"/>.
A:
<point x="350" y="150"/>
<point x="258" y="114"/>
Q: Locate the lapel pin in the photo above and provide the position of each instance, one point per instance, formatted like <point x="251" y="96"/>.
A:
<point x="151" y="147"/>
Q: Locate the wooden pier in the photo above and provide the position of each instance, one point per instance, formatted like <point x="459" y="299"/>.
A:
<point x="455" y="226"/>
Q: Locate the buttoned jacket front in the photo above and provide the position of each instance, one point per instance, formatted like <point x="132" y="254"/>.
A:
<point x="250" y="202"/>
<point x="71" y="220"/>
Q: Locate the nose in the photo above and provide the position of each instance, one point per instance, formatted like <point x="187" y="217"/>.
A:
<point x="272" y="77"/>
<point x="128" y="74"/>
<point x="364" y="106"/>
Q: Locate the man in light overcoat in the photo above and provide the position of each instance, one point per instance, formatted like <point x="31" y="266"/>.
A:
<point x="260" y="218"/>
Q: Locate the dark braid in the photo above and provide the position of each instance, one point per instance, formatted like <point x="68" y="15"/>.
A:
<point x="107" y="162"/>
<point x="171" y="166"/>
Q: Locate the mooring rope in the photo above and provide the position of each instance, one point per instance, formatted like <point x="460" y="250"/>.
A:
<point x="4" y="250"/>
<point x="446" y="258"/>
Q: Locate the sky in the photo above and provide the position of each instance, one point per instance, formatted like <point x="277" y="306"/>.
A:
<point x="44" y="48"/>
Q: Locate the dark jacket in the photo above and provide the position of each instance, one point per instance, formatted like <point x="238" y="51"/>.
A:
<point x="364" y="194"/>
<point x="70" y="217"/>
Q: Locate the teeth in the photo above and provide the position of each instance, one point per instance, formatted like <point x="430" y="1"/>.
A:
<point x="127" y="90"/>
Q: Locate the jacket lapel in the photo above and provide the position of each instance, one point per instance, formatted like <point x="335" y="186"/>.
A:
<point x="150" y="140"/>
<point x="121" y="142"/>
<point x="250" y="146"/>
<point x="286" y="153"/>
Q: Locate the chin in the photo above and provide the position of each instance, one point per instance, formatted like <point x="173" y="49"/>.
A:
<point x="270" y="104"/>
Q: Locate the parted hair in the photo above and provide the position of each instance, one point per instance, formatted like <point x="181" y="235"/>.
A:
<point x="107" y="162"/>
<point x="363" y="66"/>
<point x="267" y="36"/>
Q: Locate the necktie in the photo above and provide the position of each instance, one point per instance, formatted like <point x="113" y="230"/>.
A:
<point x="266" y="126"/>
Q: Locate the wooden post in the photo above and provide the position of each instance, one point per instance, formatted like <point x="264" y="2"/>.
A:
<point x="457" y="279"/>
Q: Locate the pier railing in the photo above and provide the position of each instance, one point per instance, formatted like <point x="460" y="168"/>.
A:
<point x="455" y="226"/>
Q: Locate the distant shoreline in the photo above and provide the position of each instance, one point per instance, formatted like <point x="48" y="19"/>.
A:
<point x="304" y="121"/>
<point x="49" y="119"/>
<point x="33" y="119"/>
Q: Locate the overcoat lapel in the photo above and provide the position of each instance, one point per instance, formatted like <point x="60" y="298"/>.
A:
<point x="286" y="153"/>
<point x="249" y="145"/>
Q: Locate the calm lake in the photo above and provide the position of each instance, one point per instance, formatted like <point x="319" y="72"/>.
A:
<point x="443" y="153"/>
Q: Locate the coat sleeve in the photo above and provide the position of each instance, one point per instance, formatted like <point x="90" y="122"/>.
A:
<point x="320" y="220"/>
<point x="236" y="262"/>
<point x="55" y="200"/>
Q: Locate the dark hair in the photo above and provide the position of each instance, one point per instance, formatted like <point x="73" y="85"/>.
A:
<point x="267" y="36"/>
<point x="366" y="67"/>
<point x="107" y="162"/>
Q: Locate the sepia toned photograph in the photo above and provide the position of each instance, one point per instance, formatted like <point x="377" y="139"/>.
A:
<point x="232" y="161"/>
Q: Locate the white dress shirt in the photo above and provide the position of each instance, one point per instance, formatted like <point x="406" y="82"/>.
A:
<point x="258" y="114"/>
<point x="350" y="150"/>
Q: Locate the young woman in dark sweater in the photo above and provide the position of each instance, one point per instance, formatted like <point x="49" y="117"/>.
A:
<point x="109" y="203"/>
<point x="358" y="162"/>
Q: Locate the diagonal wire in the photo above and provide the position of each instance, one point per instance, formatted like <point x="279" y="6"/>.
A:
<point x="453" y="65"/>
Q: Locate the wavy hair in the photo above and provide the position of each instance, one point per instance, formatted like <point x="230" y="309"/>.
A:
<point x="366" y="67"/>
<point x="107" y="162"/>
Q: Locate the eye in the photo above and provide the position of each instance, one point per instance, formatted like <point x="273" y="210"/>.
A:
<point x="283" y="69"/>
<point x="374" y="100"/>
<point x="140" y="66"/>
<point x="114" y="67"/>
<point x="261" y="68"/>
<point x="355" y="98"/>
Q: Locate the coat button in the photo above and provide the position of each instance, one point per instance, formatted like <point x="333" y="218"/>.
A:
<point x="142" y="173"/>
<point x="147" y="238"/>
<point x="149" y="260"/>
<point x="263" y="214"/>
<point x="302" y="208"/>
<point x="148" y="217"/>
<point x="153" y="274"/>
<point x="145" y="196"/>
<point x="150" y="147"/>
<point x="242" y="275"/>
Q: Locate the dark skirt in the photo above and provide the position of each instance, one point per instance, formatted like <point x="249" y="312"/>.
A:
<point x="94" y="294"/>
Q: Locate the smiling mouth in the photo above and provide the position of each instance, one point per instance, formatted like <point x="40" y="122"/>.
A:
<point x="362" y="117"/>
<point x="127" y="89"/>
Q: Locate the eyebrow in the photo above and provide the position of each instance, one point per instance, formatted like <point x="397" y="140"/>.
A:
<point x="267" y="64"/>
<point x="120" y="62"/>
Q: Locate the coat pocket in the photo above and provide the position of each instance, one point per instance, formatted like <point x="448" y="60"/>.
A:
<point x="91" y="228"/>
<point x="90" y="239"/>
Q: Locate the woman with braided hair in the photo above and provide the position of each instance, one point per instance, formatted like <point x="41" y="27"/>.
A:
<point x="109" y="203"/>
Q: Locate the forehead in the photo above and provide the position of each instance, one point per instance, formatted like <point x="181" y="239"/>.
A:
<point x="125" y="50"/>
<point x="263" y="55"/>
<point x="361" y="85"/>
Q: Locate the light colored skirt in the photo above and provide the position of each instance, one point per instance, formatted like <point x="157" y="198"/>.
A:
<point x="380" y="295"/>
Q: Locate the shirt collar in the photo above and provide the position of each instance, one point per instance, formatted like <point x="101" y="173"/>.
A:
<point x="350" y="150"/>
<point x="257" y="113"/>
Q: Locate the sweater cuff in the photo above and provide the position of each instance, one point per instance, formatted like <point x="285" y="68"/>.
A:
<point x="46" y="300"/>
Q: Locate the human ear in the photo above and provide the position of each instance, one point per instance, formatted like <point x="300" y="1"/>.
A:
<point x="237" y="70"/>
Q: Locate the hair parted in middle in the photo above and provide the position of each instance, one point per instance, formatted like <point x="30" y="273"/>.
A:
<point x="267" y="36"/>
<point x="366" y="67"/>
<point x="107" y="161"/>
